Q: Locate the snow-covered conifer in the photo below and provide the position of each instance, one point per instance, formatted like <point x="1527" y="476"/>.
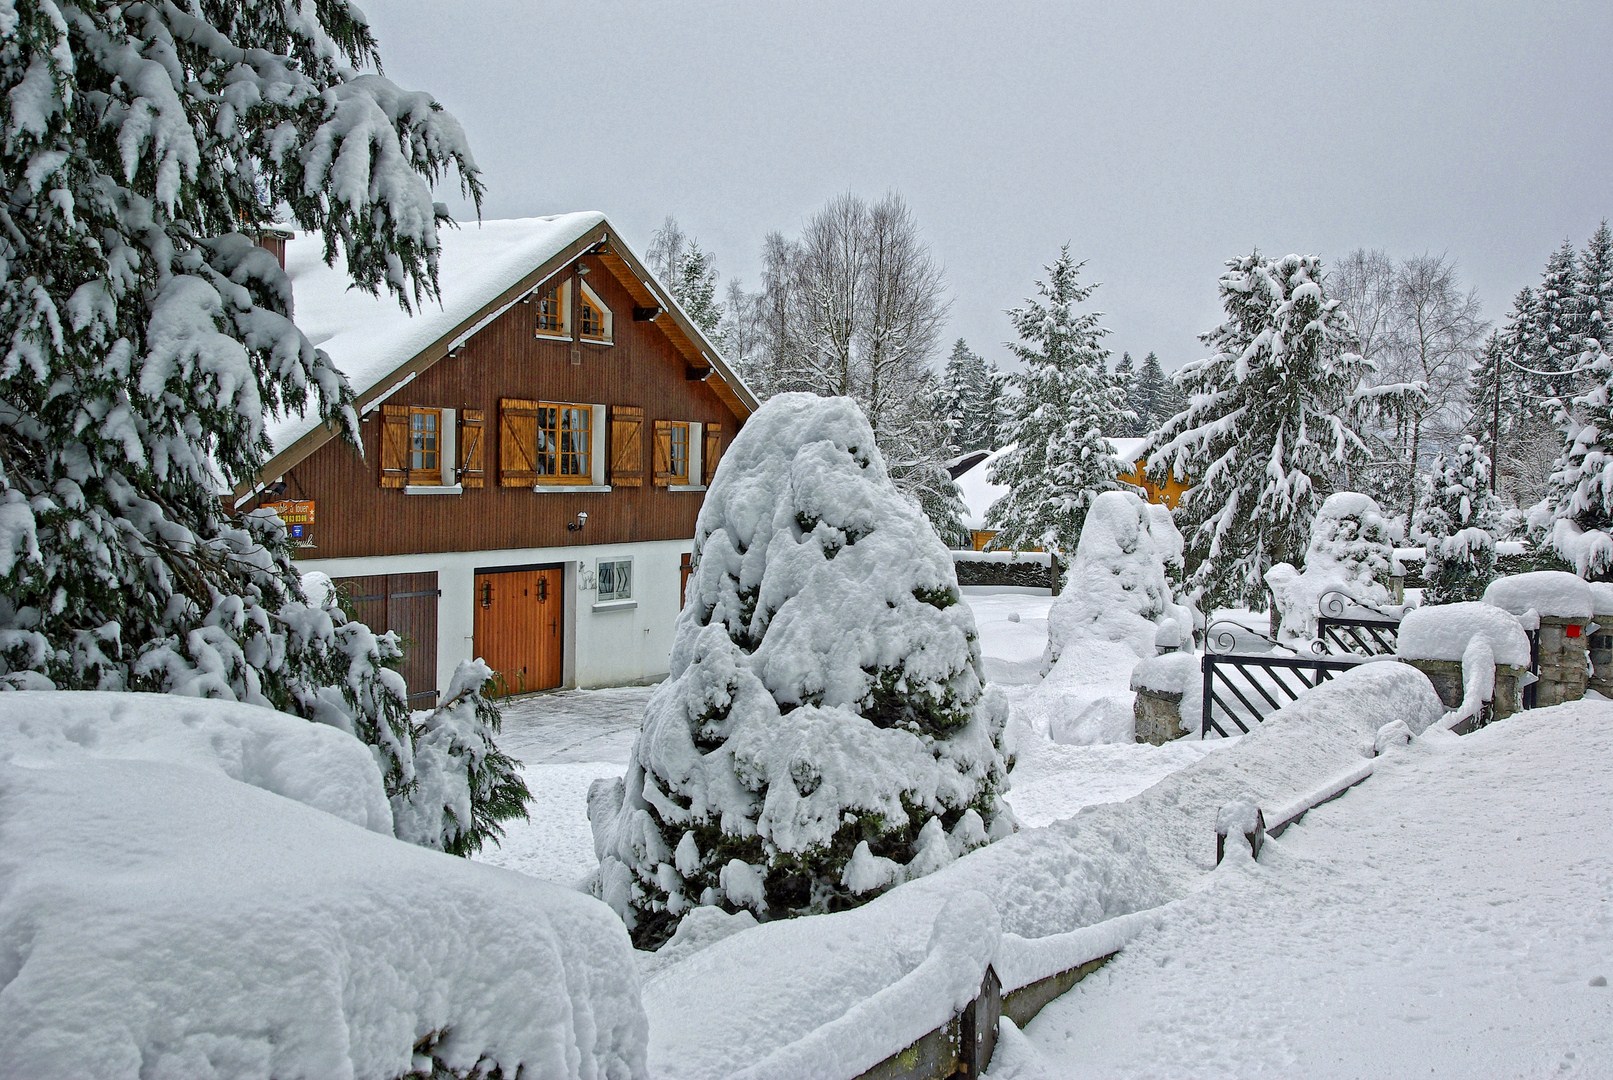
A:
<point x="1455" y="523"/>
<point x="825" y="732"/>
<point x="464" y="784"/>
<point x="145" y="336"/>
<point x="1595" y="288"/>
<point x="1152" y="396"/>
<point x="1272" y="423"/>
<point x="1351" y="550"/>
<point x="1125" y="378"/>
<point x="1582" y="482"/>
<point x="1069" y="407"/>
<point x="968" y="393"/>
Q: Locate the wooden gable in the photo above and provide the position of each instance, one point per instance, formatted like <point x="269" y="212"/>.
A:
<point x="642" y="377"/>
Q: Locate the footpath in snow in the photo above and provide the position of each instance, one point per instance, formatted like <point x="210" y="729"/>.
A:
<point x="1453" y="916"/>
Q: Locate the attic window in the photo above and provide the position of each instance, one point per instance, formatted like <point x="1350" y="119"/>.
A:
<point x="594" y="317"/>
<point x="553" y="306"/>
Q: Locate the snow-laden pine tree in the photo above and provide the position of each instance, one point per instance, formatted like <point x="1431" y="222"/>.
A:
<point x="145" y="336"/>
<point x="968" y="392"/>
<point x="1455" y="523"/>
<point x="1559" y="323"/>
<point x="1068" y="408"/>
<point x="1125" y="377"/>
<point x="1270" y="427"/>
<point x="1582" y="483"/>
<point x="825" y="732"/>
<point x="1152" y="395"/>
<point x="1596" y="288"/>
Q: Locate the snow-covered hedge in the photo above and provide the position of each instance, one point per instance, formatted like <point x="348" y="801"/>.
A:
<point x="825" y="732"/>
<point x="209" y="889"/>
<point x="757" y="1002"/>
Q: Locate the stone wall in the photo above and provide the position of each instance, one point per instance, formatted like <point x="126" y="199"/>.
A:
<point x="1564" y="659"/>
<point x="1446" y="675"/>
<point x="1601" y="649"/>
<point x="1158" y="716"/>
<point x="989" y="568"/>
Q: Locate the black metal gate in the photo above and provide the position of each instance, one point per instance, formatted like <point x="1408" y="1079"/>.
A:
<point x="1242" y="689"/>
<point x="1346" y="626"/>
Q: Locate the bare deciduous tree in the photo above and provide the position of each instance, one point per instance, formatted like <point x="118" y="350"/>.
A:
<point x="1413" y="320"/>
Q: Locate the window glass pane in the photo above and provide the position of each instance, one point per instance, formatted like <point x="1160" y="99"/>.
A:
<point x="615" y="579"/>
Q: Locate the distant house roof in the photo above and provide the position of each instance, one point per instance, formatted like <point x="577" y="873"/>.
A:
<point x="483" y="268"/>
<point x="979" y="493"/>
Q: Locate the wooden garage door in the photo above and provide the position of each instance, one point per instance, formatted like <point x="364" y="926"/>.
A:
<point x="406" y="604"/>
<point x="520" y="627"/>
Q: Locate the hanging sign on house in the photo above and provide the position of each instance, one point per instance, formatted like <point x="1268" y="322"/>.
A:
<point x="298" y="515"/>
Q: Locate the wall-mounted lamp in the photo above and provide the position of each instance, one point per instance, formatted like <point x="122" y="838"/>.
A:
<point x="582" y="271"/>
<point x="576" y="526"/>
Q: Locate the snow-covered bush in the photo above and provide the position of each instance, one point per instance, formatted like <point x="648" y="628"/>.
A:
<point x="1457" y="516"/>
<point x="1117" y="609"/>
<point x="210" y="889"/>
<point x="824" y="733"/>
<point x="1351" y="551"/>
<point x="1118" y="587"/>
<point x="464" y="784"/>
<point x="146" y="337"/>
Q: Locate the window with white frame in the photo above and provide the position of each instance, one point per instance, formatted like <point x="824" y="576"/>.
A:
<point x="615" y="579"/>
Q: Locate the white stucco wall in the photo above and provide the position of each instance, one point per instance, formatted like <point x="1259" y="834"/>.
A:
<point x="605" y="645"/>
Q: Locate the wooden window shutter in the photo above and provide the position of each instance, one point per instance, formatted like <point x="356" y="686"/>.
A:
<point x="517" y="442"/>
<point x="663" y="453"/>
<point x="710" y="452"/>
<point x="394" y="446"/>
<point x="472" y="458"/>
<point x="626" y="446"/>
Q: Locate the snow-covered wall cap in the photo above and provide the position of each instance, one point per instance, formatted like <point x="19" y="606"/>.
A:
<point x="1443" y="631"/>
<point x="369" y="337"/>
<point x="1602" y="601"/>
<point x="1549" y="593"/>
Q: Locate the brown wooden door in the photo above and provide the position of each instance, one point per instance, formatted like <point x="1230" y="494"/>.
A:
<point x="520" y="628"/>
<point x="407" y="604"/>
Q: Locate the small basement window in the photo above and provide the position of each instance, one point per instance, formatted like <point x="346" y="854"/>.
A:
<point x="615" y="579"/>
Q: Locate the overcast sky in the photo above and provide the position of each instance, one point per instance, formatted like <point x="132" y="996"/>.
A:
<point x="1158" y="139"/>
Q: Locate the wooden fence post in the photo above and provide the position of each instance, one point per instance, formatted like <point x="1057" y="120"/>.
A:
<point x="977" y="1034"/>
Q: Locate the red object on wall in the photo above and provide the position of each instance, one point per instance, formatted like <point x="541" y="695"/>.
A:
<point x="1573" y="630"/>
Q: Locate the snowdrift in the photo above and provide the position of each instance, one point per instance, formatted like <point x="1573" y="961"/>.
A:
<point x="761" y="1001"/>
<point x="200" y="888"/>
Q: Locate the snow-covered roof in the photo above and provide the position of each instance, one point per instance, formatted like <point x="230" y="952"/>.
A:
<point x="370" y="338"/>
<point x="979" y="493"/>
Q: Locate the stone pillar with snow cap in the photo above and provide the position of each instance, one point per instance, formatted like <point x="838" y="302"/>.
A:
<point x="1475" y="654"/>
<point x="1562" y="604"/>
<point x="1601" y="638"/>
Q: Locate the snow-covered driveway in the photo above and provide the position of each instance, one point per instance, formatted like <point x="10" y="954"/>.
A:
<point x="1453" y="916"/>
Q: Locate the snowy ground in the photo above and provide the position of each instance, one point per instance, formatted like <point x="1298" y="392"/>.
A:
<point x="565" y="741"/>
<point x="1450" y="917"/>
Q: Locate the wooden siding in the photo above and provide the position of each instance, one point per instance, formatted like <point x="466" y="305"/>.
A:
<point x="642" y="369"/>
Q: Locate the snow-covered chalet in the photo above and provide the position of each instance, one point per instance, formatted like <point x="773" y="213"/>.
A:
<point x="535" y="447"/>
